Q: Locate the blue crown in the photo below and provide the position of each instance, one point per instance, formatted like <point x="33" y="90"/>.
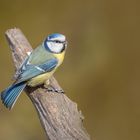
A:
<point x="55" y="35"/>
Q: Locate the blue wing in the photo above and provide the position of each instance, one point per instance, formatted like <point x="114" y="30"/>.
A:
<point x="31" y="71"/>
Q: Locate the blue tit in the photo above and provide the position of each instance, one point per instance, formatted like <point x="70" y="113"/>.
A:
<point x="37" y="68"/>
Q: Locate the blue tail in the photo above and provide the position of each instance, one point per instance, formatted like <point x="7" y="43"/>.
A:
<point x="11" y="94"/>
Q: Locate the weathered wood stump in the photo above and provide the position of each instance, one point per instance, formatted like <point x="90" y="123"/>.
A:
<point x="58" y="115"/>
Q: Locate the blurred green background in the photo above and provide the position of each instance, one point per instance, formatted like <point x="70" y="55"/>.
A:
<point x="101" y="71"/>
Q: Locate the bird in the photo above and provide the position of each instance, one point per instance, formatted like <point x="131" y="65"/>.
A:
<point x="37" y="68"/>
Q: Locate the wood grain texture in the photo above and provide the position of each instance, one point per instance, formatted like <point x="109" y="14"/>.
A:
<point x="58" y="115"/>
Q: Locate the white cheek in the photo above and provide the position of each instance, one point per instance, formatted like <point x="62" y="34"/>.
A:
<point x="55" y="47"/>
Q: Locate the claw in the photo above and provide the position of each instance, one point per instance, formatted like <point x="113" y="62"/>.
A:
<point x="59" y="91"/>
<point x="50" y="89"/>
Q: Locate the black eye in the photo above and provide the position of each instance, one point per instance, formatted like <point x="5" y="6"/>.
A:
<point x="57" y="41"/>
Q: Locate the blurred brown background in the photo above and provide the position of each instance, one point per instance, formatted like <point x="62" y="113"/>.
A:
<point x="101" y="71"/>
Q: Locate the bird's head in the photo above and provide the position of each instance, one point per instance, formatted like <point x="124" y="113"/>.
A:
<point x="55" y="43"/>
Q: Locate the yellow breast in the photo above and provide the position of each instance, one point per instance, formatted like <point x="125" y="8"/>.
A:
<point x="40" y="79"/>
<point x="60" y="57"/>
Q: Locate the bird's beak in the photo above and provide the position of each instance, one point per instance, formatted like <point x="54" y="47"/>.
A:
<point x="65" y="44"/>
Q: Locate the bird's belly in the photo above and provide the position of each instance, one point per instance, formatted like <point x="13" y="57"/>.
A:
<point x="40" y="79"/>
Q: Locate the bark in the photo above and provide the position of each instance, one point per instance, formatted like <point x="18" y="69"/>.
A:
<point x="58" y="115"/>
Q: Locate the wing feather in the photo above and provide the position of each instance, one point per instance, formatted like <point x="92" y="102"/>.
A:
<point x="34" y="70"/>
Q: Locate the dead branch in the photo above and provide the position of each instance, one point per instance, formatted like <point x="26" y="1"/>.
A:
<point x="58" y="115"/>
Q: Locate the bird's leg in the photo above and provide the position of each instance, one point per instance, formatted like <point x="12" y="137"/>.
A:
<point x="50" y="88"/>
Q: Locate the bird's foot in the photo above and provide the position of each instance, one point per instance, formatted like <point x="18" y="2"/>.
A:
<point x="52" y="89"/>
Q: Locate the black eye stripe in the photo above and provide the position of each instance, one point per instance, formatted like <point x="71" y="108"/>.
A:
<point x="56" y="41"/>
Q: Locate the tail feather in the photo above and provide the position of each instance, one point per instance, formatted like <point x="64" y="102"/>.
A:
<point x="11" y="94"/>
